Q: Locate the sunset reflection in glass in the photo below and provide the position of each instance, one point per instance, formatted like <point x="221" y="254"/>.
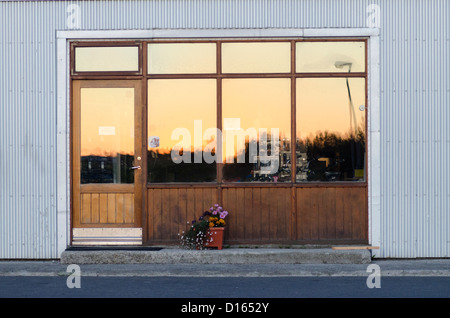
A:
<point x="254" y="104"/>
<point x="177" y="104"/>
<point x="330" y="129"/>
<point x="107" y="135"/>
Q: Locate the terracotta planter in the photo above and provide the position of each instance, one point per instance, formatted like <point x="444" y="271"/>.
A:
<point x="215" y="237"/>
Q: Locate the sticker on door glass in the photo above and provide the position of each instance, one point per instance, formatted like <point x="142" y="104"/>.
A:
<point x="106" y="131"/>
<point x="153" y="141"/>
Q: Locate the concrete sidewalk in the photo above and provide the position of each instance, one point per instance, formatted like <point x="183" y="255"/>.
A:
<point x="230" y="262"/>
<point x="434" y="267"/>
<point x="167" y="255"/>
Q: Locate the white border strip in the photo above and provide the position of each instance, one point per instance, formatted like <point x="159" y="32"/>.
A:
<point x="215" y="33"/>
<point x="63" y="102"/>
<point x="62" y="148"/>
<point x="374" y="143"/>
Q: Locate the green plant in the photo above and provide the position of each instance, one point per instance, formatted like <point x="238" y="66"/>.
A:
<point x="196" y="236"/>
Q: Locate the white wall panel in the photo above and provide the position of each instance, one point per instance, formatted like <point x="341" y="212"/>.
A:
<point x="414" y="104"/>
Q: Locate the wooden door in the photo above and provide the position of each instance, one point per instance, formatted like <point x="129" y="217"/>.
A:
<point x="107" y="154"/>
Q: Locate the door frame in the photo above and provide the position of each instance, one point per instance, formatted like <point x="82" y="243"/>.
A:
<point x="96" y="233"/>
<point x="63" y="39"/>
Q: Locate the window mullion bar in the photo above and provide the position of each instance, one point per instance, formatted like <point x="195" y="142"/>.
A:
<point x="293" y="115"/>
<point x="219" y="156"/>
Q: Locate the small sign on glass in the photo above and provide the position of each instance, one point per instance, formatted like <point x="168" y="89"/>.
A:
<point x="153" y="141"/>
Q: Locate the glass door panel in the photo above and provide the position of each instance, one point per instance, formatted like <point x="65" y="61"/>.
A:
<point x="107" y="135"/>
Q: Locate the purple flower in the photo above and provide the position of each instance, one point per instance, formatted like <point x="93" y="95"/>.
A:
<point x="224" y="214"/>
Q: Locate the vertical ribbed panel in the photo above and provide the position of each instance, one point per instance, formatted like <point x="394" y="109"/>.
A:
<point x="415" y="101"/>
<point x="27" y="130"/>
<point x="415" y="135"/>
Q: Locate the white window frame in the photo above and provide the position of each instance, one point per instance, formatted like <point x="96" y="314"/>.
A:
<point x="63" y="106"/>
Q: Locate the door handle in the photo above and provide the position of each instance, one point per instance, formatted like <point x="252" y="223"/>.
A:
<point x="136" y="167"/>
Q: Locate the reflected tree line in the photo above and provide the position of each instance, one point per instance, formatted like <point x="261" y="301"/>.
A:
<point x="331" y="157"/>
<point x="113" y="168"/>
<point x="326" y="156"/>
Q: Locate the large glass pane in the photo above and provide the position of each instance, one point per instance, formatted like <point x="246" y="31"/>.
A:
<point x="330" y="57"/>
<point x="331" y="132"/>
<point x="181" y="58"/>
<point x="256" y="130"/>
<point x="107" y="59"/>
<point x="181" y="116"/>
<point x="258" y="57"/>
<point x="107" y="135"/>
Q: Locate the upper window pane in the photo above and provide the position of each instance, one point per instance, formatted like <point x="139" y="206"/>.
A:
<point x="107" y="59"/>
<point x="330" y="57"/>
<point x="181" y="58"/>
<point x="261" y="57"/>
<point x="256" y="130"/>
<point x="182" y="125"/>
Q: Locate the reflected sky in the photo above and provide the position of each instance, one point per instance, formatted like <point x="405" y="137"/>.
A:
<point x="107" y="121"/>
<point x="323" y="104"/>
<point x="107" y="59"/>
<point x="257" y="103"/>
<point x="181" y="58"/>
<point x="330" y="56"/>
<point x="176" y="103"/>
<point x="256" y="57"/>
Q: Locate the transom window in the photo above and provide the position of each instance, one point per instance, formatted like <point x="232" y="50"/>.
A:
<point x="226" y="111"/>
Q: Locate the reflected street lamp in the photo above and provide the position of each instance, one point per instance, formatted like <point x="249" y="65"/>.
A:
<point x="340" y="64"/>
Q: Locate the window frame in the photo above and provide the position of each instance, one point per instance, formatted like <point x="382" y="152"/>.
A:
<point x="219" y="76"/>
<point x="104" y="74"/>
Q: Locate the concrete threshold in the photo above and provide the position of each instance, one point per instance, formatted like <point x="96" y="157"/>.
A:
<point x="213" y="256"/>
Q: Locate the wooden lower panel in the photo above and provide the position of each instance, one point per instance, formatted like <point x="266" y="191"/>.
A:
<point x="105" y="209"/>
<point x="331" y="214"/>
<point x="263" y="214"/>
<point x="171" y="209"/>
<point x="257" y="214"/>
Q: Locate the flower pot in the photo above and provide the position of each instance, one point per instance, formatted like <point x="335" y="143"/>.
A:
<point x="215" y="237"/>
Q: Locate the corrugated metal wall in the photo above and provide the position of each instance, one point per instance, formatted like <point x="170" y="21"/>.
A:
<point x="415" y="101"/>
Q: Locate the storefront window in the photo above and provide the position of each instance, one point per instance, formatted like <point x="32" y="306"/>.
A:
<point x="256" y="130"/>
<point x="331" y="136"/>
<point x="225" y="110"/>
<point x="181" y="116"/>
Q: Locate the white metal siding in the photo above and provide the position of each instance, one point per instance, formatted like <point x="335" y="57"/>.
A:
<point x="414" y="110"/>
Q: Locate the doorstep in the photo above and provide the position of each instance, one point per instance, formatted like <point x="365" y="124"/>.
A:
<point x="231" y="255"/>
